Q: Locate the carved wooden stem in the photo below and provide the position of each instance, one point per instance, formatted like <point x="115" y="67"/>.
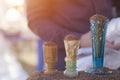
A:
<point x="50" y="57"/>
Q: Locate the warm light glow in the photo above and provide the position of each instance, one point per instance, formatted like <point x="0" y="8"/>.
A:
<point x="15" y="2"/>
<point x="12" y="15"/>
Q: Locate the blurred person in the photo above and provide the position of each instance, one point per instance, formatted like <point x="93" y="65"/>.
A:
<point x="113" y="35"/>
<point x="116" y="4"/>
<point x="52" y="20"/>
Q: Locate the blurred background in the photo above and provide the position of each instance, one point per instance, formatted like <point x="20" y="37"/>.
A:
<point x="18" y="45"/>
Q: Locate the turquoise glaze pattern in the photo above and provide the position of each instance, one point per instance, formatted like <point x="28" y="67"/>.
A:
<point x="70" y="69"/>
<point x="70" y="65"/>
<point x="98" y="31"/>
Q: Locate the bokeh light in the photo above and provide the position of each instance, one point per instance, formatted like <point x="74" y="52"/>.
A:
<point x="15" y="2"/>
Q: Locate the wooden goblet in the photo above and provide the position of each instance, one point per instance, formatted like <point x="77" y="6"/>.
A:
<point x="50" y="57"/>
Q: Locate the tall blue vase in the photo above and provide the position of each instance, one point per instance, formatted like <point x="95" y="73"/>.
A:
<point x="98" y="26"/>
